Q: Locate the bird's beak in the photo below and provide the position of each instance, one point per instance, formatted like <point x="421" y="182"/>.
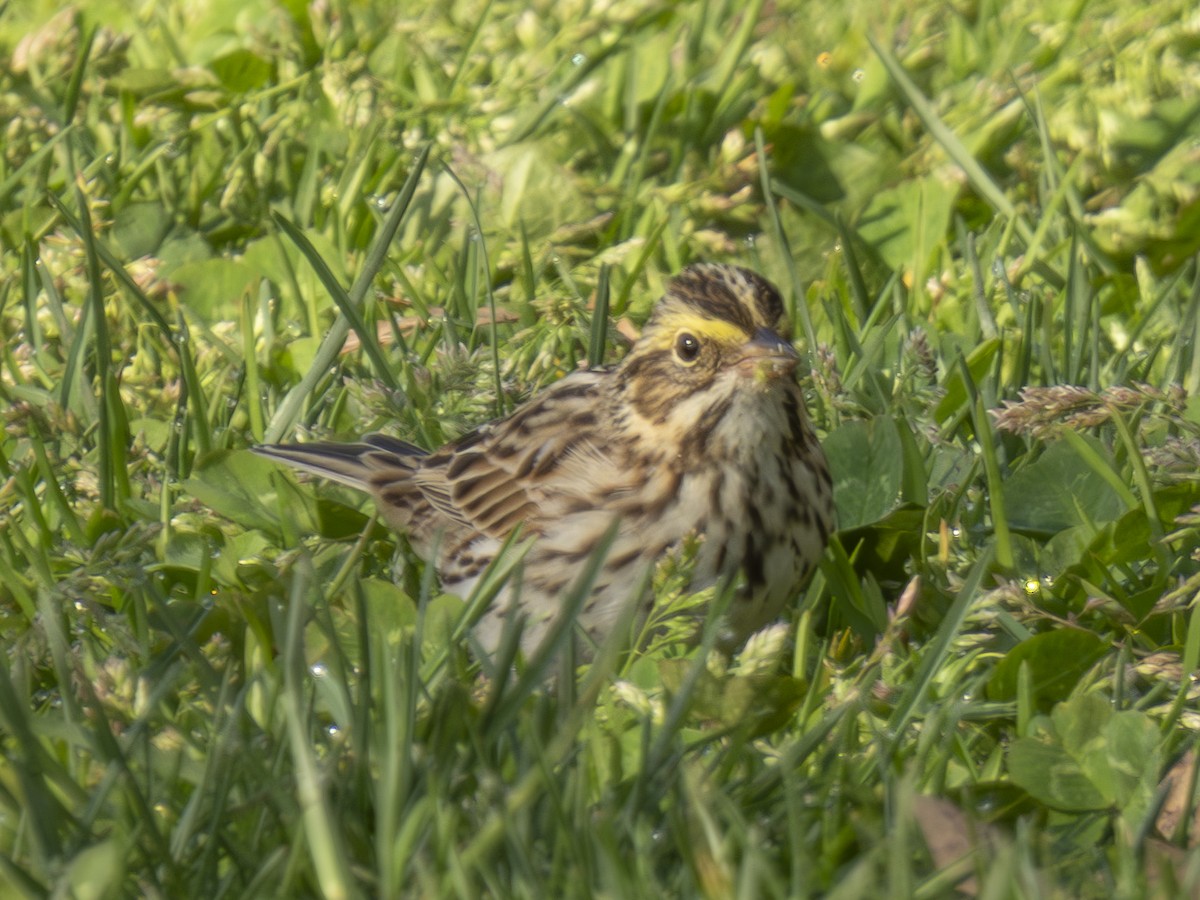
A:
<point x="766" y="357"/>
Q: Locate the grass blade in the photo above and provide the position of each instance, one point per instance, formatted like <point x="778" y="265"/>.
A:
<point x="289" y="409"/>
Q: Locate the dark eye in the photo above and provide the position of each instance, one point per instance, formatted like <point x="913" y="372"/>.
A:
<point x="687" y="347"/>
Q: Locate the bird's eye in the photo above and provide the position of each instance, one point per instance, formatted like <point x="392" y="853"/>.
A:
<point x="687" y="348"/>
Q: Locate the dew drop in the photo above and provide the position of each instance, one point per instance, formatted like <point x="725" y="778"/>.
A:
<point x="578" y="59"/>
<point x="319" y="670"/>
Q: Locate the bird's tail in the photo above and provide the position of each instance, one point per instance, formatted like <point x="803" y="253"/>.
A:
<point x="348" y="464"/>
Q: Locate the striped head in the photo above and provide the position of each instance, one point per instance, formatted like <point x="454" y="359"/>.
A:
<point x="715" y="340"/>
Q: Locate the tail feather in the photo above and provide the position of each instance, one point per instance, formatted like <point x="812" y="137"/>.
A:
<point x="348" y="464"/>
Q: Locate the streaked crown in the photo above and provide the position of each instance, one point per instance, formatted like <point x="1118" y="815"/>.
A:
<point x="722" y="294"/>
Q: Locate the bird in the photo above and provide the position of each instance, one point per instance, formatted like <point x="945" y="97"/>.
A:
<point x="698" y="435"/>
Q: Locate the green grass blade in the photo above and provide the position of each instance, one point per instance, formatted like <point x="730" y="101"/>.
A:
<point x="598" y="333"/>
<point x="289" y="409"/>
<point x="979" y="178"/>
<point x="347" y="308"/>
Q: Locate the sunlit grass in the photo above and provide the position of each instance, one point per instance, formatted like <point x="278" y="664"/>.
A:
<point x="222" y="224"/>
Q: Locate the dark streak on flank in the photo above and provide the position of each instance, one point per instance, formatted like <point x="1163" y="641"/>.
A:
<point x="823" y="526"/>
<point x="795" y="419"/>
<point x="756" y="520"/>
<point x="752" y="562"/>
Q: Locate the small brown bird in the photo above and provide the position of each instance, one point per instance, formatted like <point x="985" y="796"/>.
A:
<point x="700" y="430"/>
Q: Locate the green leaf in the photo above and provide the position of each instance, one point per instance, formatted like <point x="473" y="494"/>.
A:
<point x="1079" y="723"/>
<point x="800" y="164"/>
<point x="1056" y="660"/>
<point x="1128" y="539"/>
<point x="209" y="288"/>
<point x="906" y="222"/>
<point x="1051" y="775"/>
<point x="282" y="262"/>
<point x="390" y="609"/>
<point x="242" y="70"/>
<point x="97" y="871"/>
<point x="1060" y="490"/>
<point x="533" y="191"/>
<point x="1087" y="756"/>
<point x="866" y="463"/>
<point x="139" y="229"/>
<point x="248" y="545"/>
<point x="884" y="547"/>
<point x="238" y="486"/>
<point x="1126" y="768"/>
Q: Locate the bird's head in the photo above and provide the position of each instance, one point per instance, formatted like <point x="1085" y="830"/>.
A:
<point x="716" y="338"/>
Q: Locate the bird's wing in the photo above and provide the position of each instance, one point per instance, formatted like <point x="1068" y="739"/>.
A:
<point x="549" y="458"/>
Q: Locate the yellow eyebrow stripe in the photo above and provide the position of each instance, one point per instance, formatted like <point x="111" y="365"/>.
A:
<point x="714" y="329"/>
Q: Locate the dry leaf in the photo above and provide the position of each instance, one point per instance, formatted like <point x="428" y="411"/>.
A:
<point x="1179" y="784"/>
<point x="950" y="836"/>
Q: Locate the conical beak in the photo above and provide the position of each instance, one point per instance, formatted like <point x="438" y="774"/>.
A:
<point x="766" y="357"/>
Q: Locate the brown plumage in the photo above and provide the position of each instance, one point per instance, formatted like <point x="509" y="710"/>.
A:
<point x="700" y="430"/>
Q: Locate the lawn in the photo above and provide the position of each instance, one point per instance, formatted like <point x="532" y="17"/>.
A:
<point x="228" y="223"/>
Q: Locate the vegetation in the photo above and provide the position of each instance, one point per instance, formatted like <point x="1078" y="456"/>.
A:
<point x="228" y="222"/>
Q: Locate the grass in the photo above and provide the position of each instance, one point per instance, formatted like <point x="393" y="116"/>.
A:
<point x="224" y="223"/>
